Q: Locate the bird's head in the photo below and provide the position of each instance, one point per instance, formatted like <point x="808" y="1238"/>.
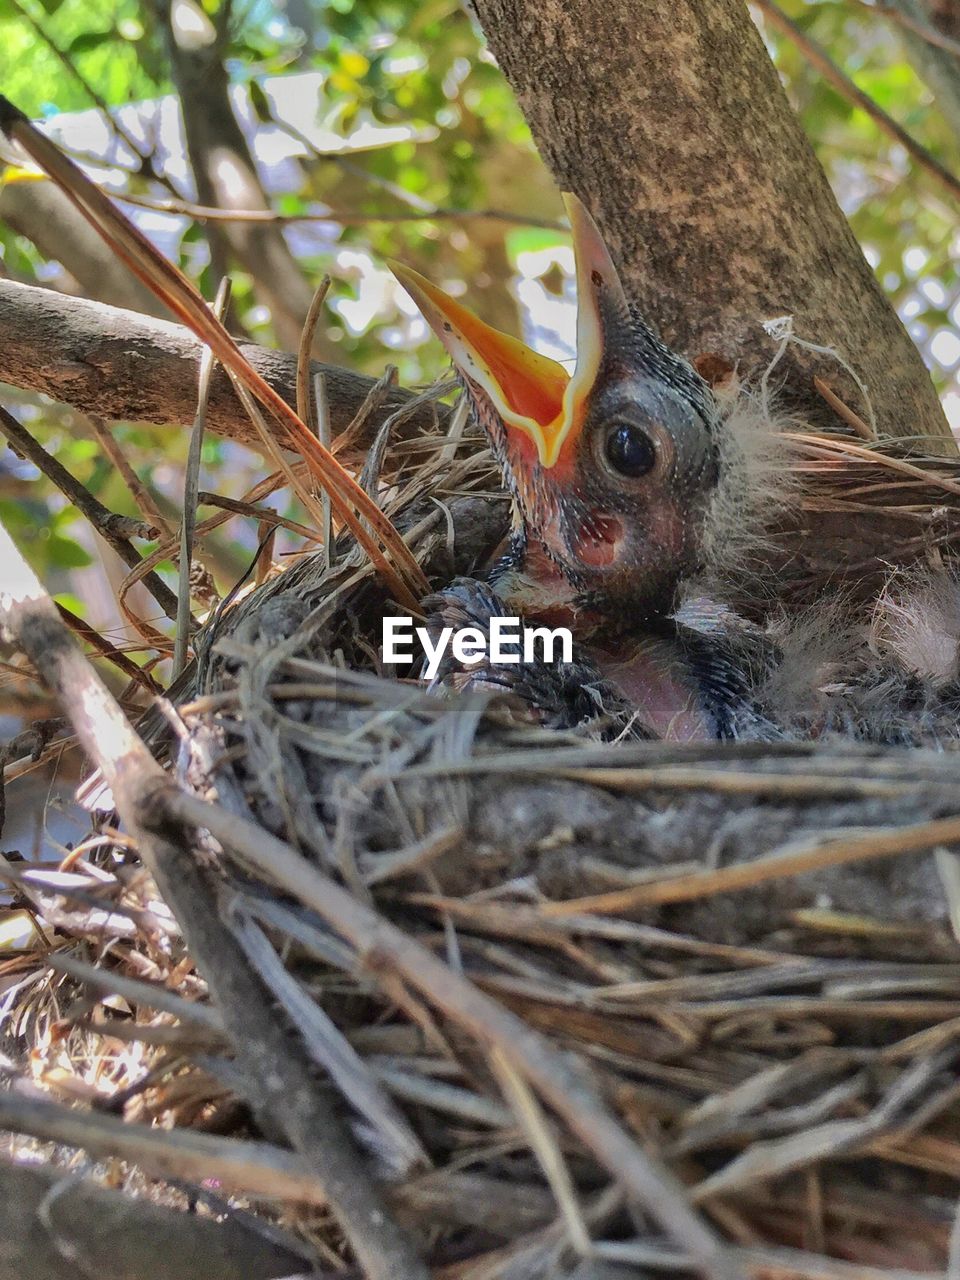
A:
<point x="612" y="466"/>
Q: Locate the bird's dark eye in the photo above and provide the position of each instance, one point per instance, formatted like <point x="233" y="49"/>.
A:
<point x="630" y="451"/>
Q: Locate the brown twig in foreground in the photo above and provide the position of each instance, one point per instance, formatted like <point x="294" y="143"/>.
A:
<point x="568" y="1092"/>
<point x="276" y="1075"/>
<point x="809" y="855"/>
<point x="304" y="402"/>
<point x="106" y="650"/>
<point x="139" y="491"/>
<point x="344" y="217"/>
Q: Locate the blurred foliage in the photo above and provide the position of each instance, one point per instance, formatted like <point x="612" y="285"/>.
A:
<point x="404" y="115"/>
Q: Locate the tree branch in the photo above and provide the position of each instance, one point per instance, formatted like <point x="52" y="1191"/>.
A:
<point x="122" y="365"/>
<point x="821" y="61"/>
<point x="342" y="217"/>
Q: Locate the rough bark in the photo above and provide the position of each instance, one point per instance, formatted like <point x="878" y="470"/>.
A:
<point x="120" y="365"/>
<point x="670" y="122"/>
<point x="226" y="175"/>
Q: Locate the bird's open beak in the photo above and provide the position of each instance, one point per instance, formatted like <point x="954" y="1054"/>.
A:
<point x="531" y="393"/>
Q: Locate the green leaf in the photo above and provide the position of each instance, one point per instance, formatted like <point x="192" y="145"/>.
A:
<point x="64" y="553"/>
<point x="88" y="40"/>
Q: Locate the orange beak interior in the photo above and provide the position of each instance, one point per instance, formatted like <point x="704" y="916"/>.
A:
<point x="530" y="392"/>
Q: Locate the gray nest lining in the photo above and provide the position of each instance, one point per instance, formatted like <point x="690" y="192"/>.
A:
<point x="734" y="962"/>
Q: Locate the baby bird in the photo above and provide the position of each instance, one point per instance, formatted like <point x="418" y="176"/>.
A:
<point x="634" y="485"/>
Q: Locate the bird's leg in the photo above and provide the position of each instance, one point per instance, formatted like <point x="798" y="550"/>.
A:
<point x="560" y="695"/>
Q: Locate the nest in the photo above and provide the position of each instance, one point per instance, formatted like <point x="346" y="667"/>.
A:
<point x="582" y="1009"/>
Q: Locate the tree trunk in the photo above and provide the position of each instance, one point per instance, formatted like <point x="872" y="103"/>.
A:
<point x="670" y="122"/>
<point x="119" y="365"/>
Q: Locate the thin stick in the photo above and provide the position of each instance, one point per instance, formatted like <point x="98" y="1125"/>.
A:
<point x="262" y="515"/>
<point x="844" y="412"/>
<point x="108" y="651"/>
<point x="851" y="449"/>
<point x="251" y="1168"/>
<point x="791" y="860"/>
<point x="270" y="445"/>
<point x="140" y="493"/>
<point x="817" y="56"/>
<point x="191" y="488"/>
<point x="137" y="991"/>
<point x="345" y="217"/>
<point x="525" y="1106"/>
<point x="323" y="432"/>
<point x="304" y="403"/>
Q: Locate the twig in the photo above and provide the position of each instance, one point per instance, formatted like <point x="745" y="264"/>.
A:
<point x="345" y="218"/>
<point x="329" y="1048"/>
<point x="759" y="1263"/>
<point x="103" y="521"/>
<point x="106" y="650"/>
<point x="191" y="488"/>
<point x="277" y="1077"/>
<point x="274" y="451"/>
<point x="925" y="30"/>
<point x="570" y="1094"/>
<point x="304" y="403"/>
<point x="851" y="449"/>
<point x="322" y="416"/>
<point x="137" y="991"/>
<point x="262" y="515"/>
<point x="772" y="1159"/>
<point x="266" y="542"/>
<point x="791" y="860"/>
<point x="139" y="491"/>
<point x="533" y="1122"/>
<point x="250" y="1168"/>
<point x="843" y="411"/>
<point x="817" y="56"/>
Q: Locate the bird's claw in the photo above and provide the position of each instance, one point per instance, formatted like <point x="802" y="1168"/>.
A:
<point x="560" y="695"/>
